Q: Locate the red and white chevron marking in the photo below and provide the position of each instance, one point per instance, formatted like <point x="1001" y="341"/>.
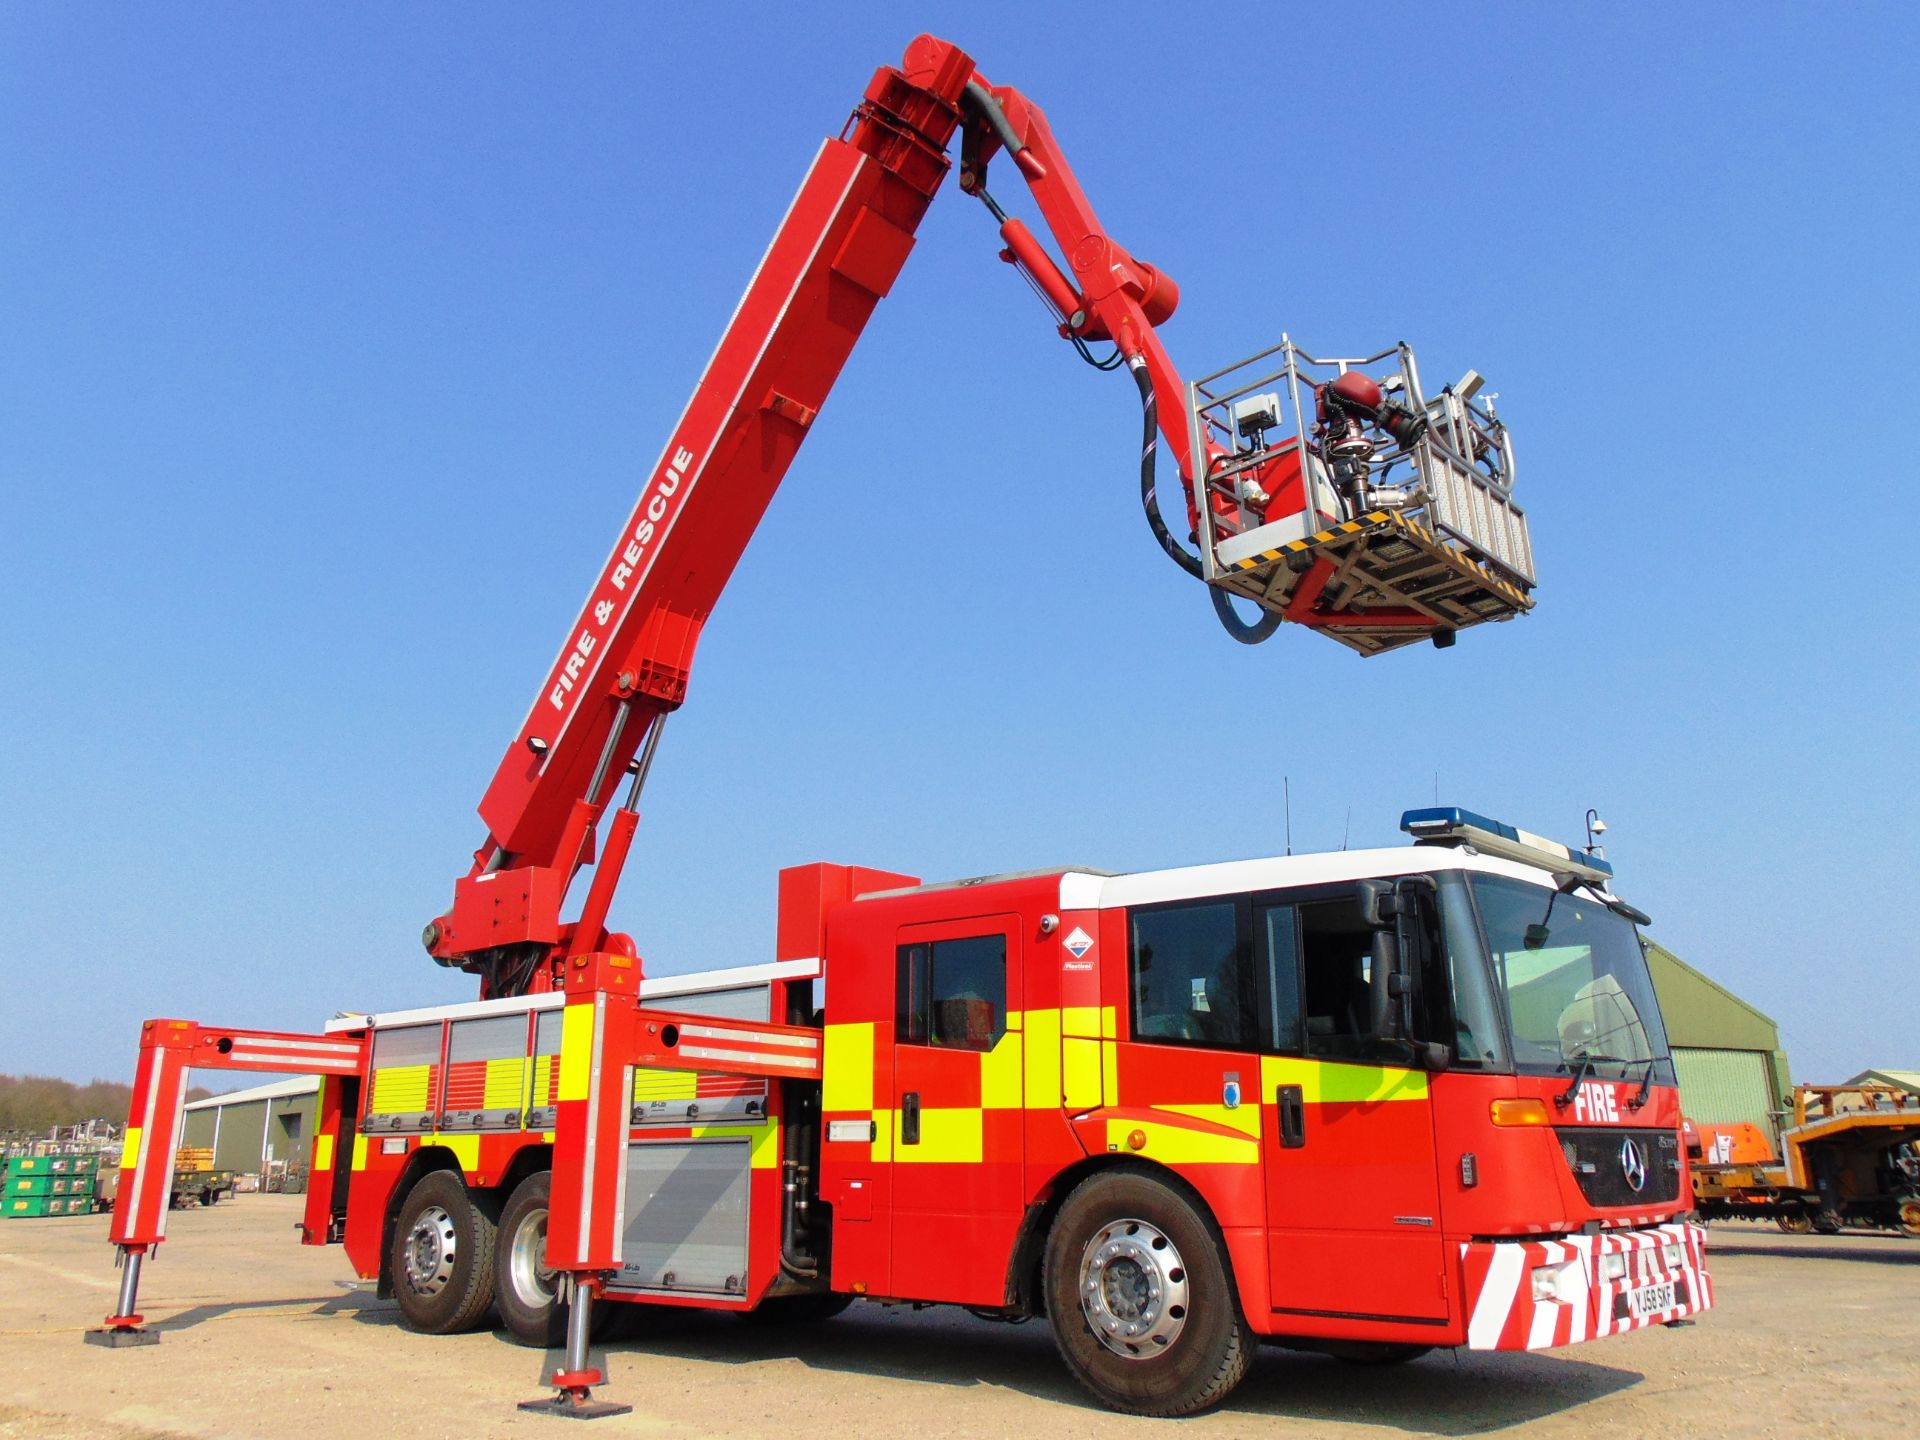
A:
<point x="1504" y="1315"/>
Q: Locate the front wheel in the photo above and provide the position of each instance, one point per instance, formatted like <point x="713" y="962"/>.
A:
<point x="441" y="1258"/>
<point x="1794" y="1222"/>
<point x="1142" y="1308"/>
<point x="1909" y="1215"/>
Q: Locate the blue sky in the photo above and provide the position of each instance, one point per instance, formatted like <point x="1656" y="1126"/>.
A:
<point x="339" y="340"/>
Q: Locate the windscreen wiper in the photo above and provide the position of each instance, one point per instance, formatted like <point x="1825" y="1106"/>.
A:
<point x="1587" y="1058"/>
<point x="1646" y="1084"/>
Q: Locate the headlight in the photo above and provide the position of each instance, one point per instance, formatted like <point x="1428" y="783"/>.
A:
<point x="1613" y="1267"/>
<point x="1562" y="1283"/>
<point x="1670" y="1252"/>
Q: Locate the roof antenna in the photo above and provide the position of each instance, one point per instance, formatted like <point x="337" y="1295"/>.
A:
<point x="1349" y="830"/>
<point x="1287" y="780"/>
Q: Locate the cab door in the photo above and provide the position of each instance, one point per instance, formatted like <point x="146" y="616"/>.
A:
<point x="956" y="1118"/>
<point x="1353" y="1196"/>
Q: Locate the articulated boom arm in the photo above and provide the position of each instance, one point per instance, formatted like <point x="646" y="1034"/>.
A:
<point x="624" y="664"/>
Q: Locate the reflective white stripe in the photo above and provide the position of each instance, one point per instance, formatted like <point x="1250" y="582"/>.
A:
<point x="1495" y="1301"/>
<point x="1545" y="1312"/>
<point x="748" y="1057"/>
<point x="1590" y="1266"/>
<point x="269" y="1042"/>
<point x="295" y="1060"/>
<point x="620" y="1175"/>
<point x="584" y="1247"/>
<point x="751" y="1037"/>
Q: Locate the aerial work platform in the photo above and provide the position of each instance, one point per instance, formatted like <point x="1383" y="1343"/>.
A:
<point x="1382" y="517"/>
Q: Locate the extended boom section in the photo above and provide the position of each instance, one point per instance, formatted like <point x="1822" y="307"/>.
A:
<point x="1353" y="504"/>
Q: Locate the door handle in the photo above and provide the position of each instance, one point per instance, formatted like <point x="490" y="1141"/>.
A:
<point x="910" y="1118"/>
<point x="1291" y="1103"/>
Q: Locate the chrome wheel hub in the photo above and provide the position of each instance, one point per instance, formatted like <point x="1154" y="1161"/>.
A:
<point x="432" y="1245"/>
<point x="1133" y="1289"/>
<point x="533" y="1282"/>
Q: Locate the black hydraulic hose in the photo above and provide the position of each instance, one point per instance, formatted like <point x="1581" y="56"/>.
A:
<point x="1230" y="621"/>
<point x="1149" y="448"/>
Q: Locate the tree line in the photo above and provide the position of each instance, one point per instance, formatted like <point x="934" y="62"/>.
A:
<point x="34" y="1104"/>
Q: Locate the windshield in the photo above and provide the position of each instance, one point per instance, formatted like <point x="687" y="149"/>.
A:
<point x="1582" y="993"/>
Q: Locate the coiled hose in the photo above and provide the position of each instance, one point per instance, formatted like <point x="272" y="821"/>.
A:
<point x="1230" y="621"/>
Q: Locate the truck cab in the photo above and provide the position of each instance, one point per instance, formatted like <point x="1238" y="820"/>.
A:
<point x="1422" y="1096"/>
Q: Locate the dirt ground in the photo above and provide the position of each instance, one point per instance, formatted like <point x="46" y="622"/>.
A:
<point x="1813" y="1335"/>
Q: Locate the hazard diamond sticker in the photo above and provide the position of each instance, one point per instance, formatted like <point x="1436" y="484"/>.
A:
<point x="1078" y="943"/>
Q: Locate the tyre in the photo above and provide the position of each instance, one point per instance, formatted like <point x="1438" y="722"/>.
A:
<point x="1142" y="1307"/>
<point x="1796" y="1222"/>
<point x="1909" y="1216"/>
<point x="525" y="1291"/>
<point x="1826" y="1223"/>
<point x="441" y="1258"/>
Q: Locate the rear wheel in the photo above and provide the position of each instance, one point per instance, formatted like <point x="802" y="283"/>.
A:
<point x="1795" y="1222"/>
<point x="1142" y="1308"/>
<point x="525" y="1290"/>
<point x="1826" y="1223"/>
<point x="1909" y="1216"/>
<point x="441" y="1258"/>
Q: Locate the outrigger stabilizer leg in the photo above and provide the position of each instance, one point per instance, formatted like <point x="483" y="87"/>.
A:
<point x="169" y="1049"/>
<point x="124" y="1326"/>
<point x="573" y="1383"/>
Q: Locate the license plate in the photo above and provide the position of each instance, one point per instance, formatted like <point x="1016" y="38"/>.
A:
<point x="1650" y="1300"/>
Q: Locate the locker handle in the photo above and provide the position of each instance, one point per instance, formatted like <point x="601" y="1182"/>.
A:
<point x="910" y="1118"/>
<point x="1291" y="1104"/>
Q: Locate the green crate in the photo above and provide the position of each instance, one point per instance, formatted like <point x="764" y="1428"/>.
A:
<point x="51" y="1164"/>
<point x="48" y="1185"/>
<point x="27" y="1207"/>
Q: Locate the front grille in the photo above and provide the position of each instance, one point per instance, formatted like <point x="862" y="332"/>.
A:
<point x="1599" y="1162"/>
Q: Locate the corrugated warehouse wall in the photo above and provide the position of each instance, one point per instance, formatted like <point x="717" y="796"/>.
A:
<point x="242" y="1131"/>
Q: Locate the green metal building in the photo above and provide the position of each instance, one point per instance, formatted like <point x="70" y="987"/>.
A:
<point x="1727" y="1053"/>
<point x="247" y="1128"/>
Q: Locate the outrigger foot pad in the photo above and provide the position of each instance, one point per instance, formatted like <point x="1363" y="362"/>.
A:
<point x="121" y="1337"/>
<point x="566" y="1405"/>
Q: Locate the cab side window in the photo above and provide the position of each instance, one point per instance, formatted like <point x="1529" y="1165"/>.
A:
<point x="1192" y="976"/>
<point x="1336" y="961"/>
<point x="952" y="994"/>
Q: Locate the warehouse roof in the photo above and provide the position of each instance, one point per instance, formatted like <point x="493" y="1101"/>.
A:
<point x="1902" y="1079"/>
<point x="274" y="1090"/>
<point x="1701" y="1012"/>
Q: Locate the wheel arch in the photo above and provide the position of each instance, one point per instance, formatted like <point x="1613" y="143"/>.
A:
<point x="1024" y="1292"/>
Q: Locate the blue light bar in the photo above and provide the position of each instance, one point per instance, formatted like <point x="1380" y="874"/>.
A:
<point x="1449" y="824"/>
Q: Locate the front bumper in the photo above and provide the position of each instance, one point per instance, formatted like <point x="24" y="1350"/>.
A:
<point x="1600" y="1285"/>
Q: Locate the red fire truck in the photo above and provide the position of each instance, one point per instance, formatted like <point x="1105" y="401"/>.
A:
<point x="1370" y="1102"/>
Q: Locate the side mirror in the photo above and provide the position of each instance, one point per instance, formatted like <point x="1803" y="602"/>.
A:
<point x="1379" y="904"/>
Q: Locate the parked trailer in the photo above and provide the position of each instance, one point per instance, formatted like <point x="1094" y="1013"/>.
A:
<point x="1851" y="1157"/>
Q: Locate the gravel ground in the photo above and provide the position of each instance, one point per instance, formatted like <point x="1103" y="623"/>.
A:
<point x="1813" y="1335"/>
